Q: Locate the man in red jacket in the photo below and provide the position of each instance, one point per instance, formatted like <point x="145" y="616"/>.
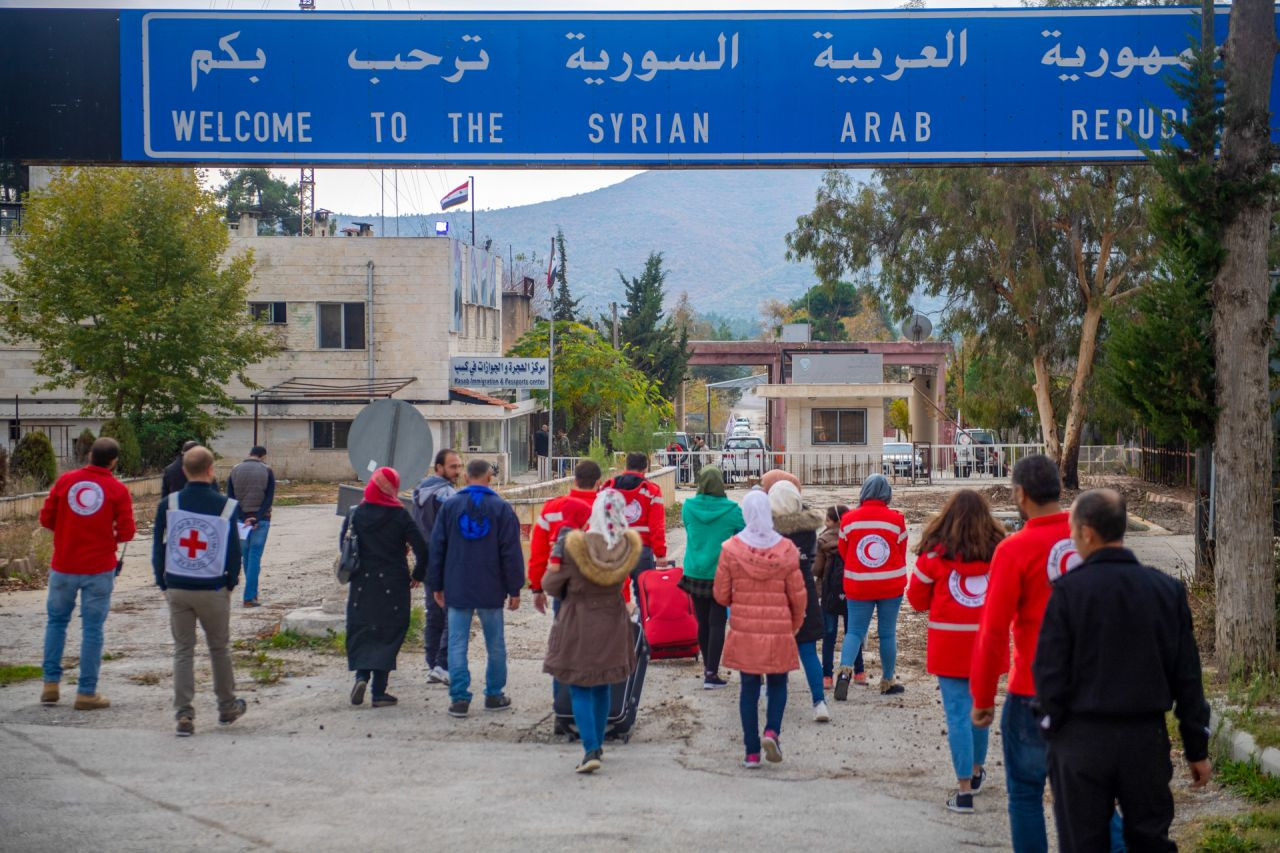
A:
<point x="89" y="512"/>
<point x="646" y="513"/>
<point x="571" y="511"/>
<point x="1022" y="568"/>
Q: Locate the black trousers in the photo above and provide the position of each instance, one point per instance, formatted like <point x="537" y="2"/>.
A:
<point x="435" y="634"/>
<point x="380" y="678"/>
<point x="712" y="617"/>
<point x="1095" y="763"/>
<point x="647" y="563"/>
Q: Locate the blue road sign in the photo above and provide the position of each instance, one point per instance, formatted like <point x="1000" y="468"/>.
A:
<point x="652" y="88"/>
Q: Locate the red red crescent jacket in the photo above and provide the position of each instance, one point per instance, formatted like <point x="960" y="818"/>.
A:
<point x="1022" y="568"/>
<point x="873" y="545"/>
<point x="89" y="512"/>
<point x="571" y="510"/>
<point x="646" y="513"/>
<point x="953" y="592"/>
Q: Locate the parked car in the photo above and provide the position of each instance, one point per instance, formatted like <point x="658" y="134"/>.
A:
<point x="743" y="457"/>
<point x="899" y="459"/>
<point x="977" y="452"/>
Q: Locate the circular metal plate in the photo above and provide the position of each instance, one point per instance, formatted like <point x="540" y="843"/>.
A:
<point x="391" y="433"/>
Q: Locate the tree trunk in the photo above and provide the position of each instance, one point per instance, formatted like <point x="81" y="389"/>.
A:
<point x="1044" y="405"/>
<point x="1068" y="462"/>
<point x="1204" y="544"/>
<point x="1245" y="577"/>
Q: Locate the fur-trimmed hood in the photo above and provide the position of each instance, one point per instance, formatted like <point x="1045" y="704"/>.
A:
<point x="599" y="564"/>
<point x="807" y="519"/>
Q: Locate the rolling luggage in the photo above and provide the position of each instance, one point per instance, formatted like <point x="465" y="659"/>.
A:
<point x="625" y="700"/>
<point x="666" y="612"/>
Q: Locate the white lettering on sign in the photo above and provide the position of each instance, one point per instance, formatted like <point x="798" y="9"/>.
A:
<point x="871" y="122"/>
<point x="648" y="128"/>
<point x="1120" y="122"/>
<point x="479" y="127"/>
<point x="219" y="126"/>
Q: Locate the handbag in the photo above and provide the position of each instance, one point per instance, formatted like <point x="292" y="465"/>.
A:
<point x="347" y="563"/>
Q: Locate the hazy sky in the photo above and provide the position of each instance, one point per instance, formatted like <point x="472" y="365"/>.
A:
<point x="361" y="191"/>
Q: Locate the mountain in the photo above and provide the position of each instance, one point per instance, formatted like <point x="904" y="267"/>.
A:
<point x="721" y="233"/>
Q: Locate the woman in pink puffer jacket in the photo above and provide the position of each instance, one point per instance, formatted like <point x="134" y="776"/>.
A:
<point x="758" y="578"/>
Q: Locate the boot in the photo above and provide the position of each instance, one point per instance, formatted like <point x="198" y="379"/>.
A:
<point x="49" y="695"/>
<point x="891" y="687"/>
<point x="91" y="702"/>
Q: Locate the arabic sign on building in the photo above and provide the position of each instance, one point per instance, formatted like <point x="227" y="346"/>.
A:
<point x="636" y="88"/>
<point x="480" y="372"/>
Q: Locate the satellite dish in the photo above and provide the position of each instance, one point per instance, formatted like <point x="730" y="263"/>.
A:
<point x="917" y="328"/>
<point x="391" y="433"/>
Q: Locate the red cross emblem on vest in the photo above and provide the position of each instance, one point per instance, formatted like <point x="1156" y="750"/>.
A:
<point x="193" y="544"/>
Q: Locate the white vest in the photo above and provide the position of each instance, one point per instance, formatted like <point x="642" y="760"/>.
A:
<point x="195" y="543"/>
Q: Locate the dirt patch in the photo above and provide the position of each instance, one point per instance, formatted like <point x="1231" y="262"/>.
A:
<point x="299" y="492"/>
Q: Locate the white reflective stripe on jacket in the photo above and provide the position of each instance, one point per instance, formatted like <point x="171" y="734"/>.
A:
<point x="850" y="574"/>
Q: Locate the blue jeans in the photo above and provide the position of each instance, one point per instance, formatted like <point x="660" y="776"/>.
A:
<point x="968" y="742"/>
<point x="591" y="713"/>
<point x="95" y="602"/>
<point x="749" y="707"/>
<point x="831" y="625"/>
<point x="495" y="645"/>
<point x="253" y="548"/>
<point x="886" y="610"/>
<point x="812" y="670"/>
<point x="1026" y="765"/>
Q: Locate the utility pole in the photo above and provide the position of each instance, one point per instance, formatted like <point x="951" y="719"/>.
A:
<point x="614" y="306"/>
<point x="307" y="174"/>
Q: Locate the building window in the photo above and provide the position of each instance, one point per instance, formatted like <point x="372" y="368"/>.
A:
<point x="329" y="435"/>
<point x="341" y="325"/>
<point x="484" y="436"/>
<point x="273" y="313"/>
<point x="839" y="426"/>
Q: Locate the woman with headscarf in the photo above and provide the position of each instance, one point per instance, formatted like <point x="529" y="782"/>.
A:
<point x="591" y="646"/>
<point x="800" y="523"/>
<point x="759" y="579"/>
<point x="710" y="518"/>
<point x="378" y="603"/>
<point x="873" y="546"/>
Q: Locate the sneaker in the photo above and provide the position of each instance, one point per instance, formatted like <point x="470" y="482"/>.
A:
<point x="186" y="727"/>
<point x="860" y="679"/>
<point x="459" y="708"/>
<point x="590" y="762"/>
<point x="828" y="682"/>
<point x="357" y="692"/>
<point x="713" y="682"/>
<point x="497" y="703"/>
<point x="752" y="761"/>
<point x="842" y="686"/>
<point x="975" y="784"/>
<point x="961" y="801"/>
<point x="386" y="700"/>
<point x="235" y="712"/>
<point x="91" y="702"/>
<point x="438" y="675"/>
<point x="891" y="688"/>
<point x="49" y="695"/>
<point x="772" y="749"/>
<point x="253" y="602"/>
<point x="821" y="714"/>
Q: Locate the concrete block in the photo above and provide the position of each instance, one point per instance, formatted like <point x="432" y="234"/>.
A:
<point x="1271" y="761"/>
<point x="313" y="622"/>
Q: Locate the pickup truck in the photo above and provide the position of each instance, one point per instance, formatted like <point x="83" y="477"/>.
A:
<point x="743" y="457"/>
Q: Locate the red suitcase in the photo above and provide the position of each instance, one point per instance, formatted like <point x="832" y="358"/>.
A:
<point x="666" y="613"/>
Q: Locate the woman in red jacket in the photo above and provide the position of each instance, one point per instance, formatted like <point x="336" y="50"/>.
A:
<point x="950" y="582"/>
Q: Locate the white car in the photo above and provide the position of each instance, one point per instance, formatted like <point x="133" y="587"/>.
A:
<point x="898" y="460"/>
<point x="743" y="456"/>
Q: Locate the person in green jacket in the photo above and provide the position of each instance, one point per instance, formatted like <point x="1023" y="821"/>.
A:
<point x="710" y="518"/>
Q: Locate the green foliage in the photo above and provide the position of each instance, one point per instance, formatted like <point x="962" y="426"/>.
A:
<point x="273" y="201"/>
<point x="563" y="306"/>
<point x="160" y="438"/>
<point x="122" y="430"/>
<point x="823" y="307"/>
<point x="900" y="416"/>
<point x="591" y="377"/>
<point x="33" y="457"/>
<point x="13" y="673"/>
<point x="599" y="454"/>
<point x="83" y="444"/>
<point x="4" y="470"/>
<point x="123" y="285"/>
<point x="656" y="347"/>
<point x="1247" y="779"/>
<point x="997" y="392"/>
<point x="417" y="621"/>
<point x="639" y="429"/>
<point x="1257" y="830"/>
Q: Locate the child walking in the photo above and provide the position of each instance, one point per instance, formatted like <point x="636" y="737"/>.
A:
<point x="758" y="578"/>
<point x="950" y="582"/>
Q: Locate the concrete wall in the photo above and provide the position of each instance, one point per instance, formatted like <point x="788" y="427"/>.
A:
<point x="799" y="427"/>
<point x="141" y="488"/>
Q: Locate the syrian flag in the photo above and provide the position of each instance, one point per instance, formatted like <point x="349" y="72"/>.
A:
<point x="551" y="268"/>
<point x="456" y="196"/>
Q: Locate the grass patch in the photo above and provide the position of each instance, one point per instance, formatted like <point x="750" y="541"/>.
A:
<point x="1254" y="706"/>
<point x="417" y="621"/>
<point x="1256" y="831"/>
<point x="263" y="668"/>
<point x="13" y="673"/>
<point x="1247" y="779"/>
<point x="147" y="678"/>
<point x="106" y="656"/>
<point x="333" y="643"/>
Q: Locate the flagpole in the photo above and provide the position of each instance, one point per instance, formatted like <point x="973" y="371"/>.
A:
<point x="471" y="194"/>
<point x="551" y="366"/>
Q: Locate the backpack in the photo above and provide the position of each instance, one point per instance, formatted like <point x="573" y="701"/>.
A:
<point x="348" y="562"/>
<point x="833" y="600"/>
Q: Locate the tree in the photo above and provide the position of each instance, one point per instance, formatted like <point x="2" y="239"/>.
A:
<point x="824" y="307"/>
<point x="655" y="347"/>
<point x="1242" y="338"/>
<point x="563" y="307"/>
<point x="123" y="431"/>
<point x="275" y="202"/>
<point x="591" y="377"/>
<point x="123" y="285"/>
<point x="83" y="444"/>
<point x="900" y="417"/>
<point x="1030" y="258"/>
<point x="638" y="431"/>
<point x="33" y="458"/>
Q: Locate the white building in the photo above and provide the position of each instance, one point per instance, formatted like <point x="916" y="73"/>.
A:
<point x="357" y="318"/>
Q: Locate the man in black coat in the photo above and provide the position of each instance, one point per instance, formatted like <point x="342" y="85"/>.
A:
<point x="1116" y="651"/>
<point x="174" y="479"/>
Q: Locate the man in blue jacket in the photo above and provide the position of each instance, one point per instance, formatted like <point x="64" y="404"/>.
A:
<point x="476" y="565"/>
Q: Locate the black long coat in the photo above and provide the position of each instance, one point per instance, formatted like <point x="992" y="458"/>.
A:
<point x="378" y="602"/>
<point x="802" y="529"/>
